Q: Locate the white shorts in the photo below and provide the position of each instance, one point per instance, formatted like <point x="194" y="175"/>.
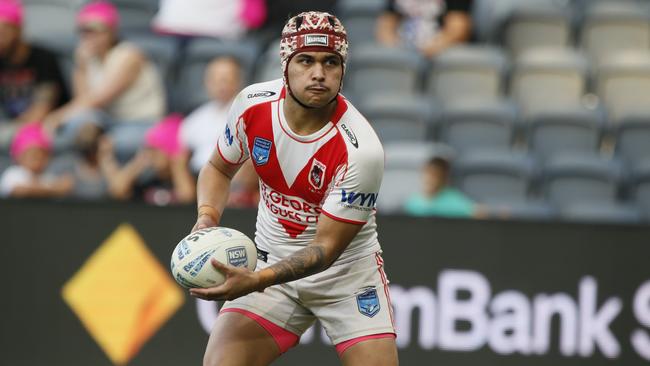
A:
<point x="350" y="300"/>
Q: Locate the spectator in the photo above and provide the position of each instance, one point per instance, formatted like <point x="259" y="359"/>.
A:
<point x="201" y="129"/>
<point x="225" y="19"/>
<point x="115" y="84"/>
<point x="431" y="26"/>
<point x="438" y="198"/>
<point x="158" y="173"/>
<point x="31" y="82"/>
<point x="31" y="149"/>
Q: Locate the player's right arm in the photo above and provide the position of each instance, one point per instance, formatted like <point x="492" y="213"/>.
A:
<point x="212" y="190"/>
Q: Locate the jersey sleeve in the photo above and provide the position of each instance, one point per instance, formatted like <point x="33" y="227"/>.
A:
<point x="233" y="143"/>
<point x="353" y="195"/>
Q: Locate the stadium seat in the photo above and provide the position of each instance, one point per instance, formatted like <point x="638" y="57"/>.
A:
<point x="136" y="15"/>
<point x="413" y="154"/>
<point x="528" y="210"/>
<point x="375" y="70"/>
<point x="399" y="117"/>
<point x="269" y="66"/>
<point x="610" y="27"/>
<point x="5" y="162"/>
<point x="600" y="212"/>
<point x="640" y="186"/>
<point x="531" y="25"/>
<point x="564" y="132"/>
<point x="633" y="138"/>
<point x="467" y="72"/>
<point x="160" y="49"/>
<point x="189" y="89"/>
<point x="494" y="177"/>
<point x="546" y="78"/>
<point x="623" y="82"/>
<point x="359" y="18"/>
<point x="573" y="177"/>
<point x="478" y="124"/>
<point x="49" y="20"/>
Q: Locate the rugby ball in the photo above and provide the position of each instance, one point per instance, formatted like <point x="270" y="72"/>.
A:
<point x="190" y="263"/>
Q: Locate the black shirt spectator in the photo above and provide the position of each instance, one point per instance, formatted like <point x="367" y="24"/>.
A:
<point x="429" y="25"/>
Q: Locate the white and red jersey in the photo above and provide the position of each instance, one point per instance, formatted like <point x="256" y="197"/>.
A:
<point x="336" y="171"/>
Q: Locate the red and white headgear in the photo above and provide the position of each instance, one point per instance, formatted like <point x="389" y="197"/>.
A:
<point x="312" y="31"/>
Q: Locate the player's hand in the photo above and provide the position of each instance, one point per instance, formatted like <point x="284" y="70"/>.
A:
<point x="204" y="221"/>
<point x="239" y="282"/>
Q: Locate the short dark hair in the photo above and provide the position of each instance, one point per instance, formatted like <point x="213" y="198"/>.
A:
<point x="439" y="162"/>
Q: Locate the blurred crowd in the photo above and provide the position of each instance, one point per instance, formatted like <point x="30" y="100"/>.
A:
<point x="112" y="123"/>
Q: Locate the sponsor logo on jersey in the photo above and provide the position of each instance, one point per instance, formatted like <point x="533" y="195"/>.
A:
<point x="289" y="208"/>
<point x="359" y="198"/>
<point x="316" y="40"/>
<point x="237" y="257"/>
<point x="261" y="150"/>
<point x="351" y="136"/>
<point x="264" y="93"/>
<point x="229" y="136"/>
<point x="317" y="174"/>
<point x="368" y="302"/>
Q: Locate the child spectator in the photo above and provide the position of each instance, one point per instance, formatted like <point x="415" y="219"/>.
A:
<point x="31" y="149"/>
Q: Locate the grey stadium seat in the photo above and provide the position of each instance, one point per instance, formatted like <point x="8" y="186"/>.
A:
<point x="601" y="212"/>
<point x="269" y="66"/>
<point x="546" y="78"/>
<point x="399" y="117"/>
<point x="528" y="210"/>
<point x="375" y="70"/>
<point x="467" y="72"/>
<point x="494" y="177"/>
<point x="623" y="82"/>
<point x="613" y="26"/>
<point x="640" y="185"/>
<point x="189" y="87"/>
<point x="575" y="178"/>
<point x="359" y="18"/>
<point x="159" y="49"/>
<point x="136" y="15"/>
<point x="633" y="138"/>
<point x="565" y="131"/>
<point x="49" y="20"/>
<point x="478" y="124"/>
<point x="531" y="25"/>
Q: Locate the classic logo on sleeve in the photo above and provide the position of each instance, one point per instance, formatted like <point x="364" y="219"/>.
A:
<point x="263" y="93"/>
<point x="368" y="302"/>
<point x="261" y="150"/>
<point x="351" y="136"/>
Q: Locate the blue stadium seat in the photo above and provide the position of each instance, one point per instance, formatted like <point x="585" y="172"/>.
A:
<point x="571" y="178"/>
<point x="359" y="18"/>
<point x="601" y="212"/>
<point x="530" y="25"/>
<point x="494" y="177"/>
<point x="640" y="185"/>
<point x="136" y="15"/>
<point x="478" y="124"/>
<point x="376" y="70"/>
<point x="398" y="117"/>
<point x="575" y="130"/>
<point x="633" y="139"/>
<point x="467" y="72"/>
<point x="610" y="27"/>
<point x="546" y="78"/>
<point x="623" y="82"/>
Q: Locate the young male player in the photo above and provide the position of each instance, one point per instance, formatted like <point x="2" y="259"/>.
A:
<point x="320" y="166"/>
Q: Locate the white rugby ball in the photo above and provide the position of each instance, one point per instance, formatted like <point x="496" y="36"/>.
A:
<point x="190" y="264"/>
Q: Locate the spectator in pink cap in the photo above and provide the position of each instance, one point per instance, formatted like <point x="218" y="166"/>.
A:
<point x="159" y="172"/>
<point x="31" y="82"/>
<point x="115" y="85"/>
<point x="30" y="149"/>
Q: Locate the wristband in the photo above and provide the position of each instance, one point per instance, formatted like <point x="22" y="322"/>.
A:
<point x="209" y="211"/>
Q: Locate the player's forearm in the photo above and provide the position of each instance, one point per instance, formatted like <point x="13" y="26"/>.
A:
<point x="305" y="262"/>
<point x="212" y="191"/>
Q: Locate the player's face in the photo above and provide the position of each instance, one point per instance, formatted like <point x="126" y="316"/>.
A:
<point x="34" y="159"/>
<point x="9" y="35"/>
<point x="97" y="39"/>
<point x="315" y="77"/>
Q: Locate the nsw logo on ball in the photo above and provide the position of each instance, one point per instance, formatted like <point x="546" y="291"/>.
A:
<point x="237" y="257"/>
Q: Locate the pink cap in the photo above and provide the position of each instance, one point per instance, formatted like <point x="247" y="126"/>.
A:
<point x="101" y="11"/>
<point x="164" y="136"/>
<point x="29" y="135"/>
<point x="11" y="11"/>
